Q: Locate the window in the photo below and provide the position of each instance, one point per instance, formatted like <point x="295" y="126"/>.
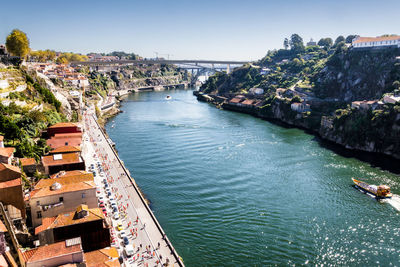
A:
<point x="39" y="214"/>
<point x="66" y="143"/>
<point x="38" y="203"/>
<point x="83" y="195"/>
<point x="61" y="199"/>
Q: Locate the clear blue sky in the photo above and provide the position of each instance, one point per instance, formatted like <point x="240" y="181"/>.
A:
<point x="208" y="29"/>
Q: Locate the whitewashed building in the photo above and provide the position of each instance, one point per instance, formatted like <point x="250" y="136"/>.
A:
<point x="369" y="42"/>
<point x="256" y="91"/>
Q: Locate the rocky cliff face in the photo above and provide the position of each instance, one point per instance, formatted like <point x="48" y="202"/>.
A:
<point x="367" y="130"/>
<point x="358" y="74"/>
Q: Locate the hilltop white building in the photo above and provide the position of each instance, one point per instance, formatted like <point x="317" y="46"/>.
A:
<point x="368" y="42"/>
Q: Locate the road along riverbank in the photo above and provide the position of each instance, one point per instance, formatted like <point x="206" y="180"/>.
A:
<point x="153" y="246"/>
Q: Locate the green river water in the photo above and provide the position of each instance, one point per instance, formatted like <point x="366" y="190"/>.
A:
<point x="233" y="190"/>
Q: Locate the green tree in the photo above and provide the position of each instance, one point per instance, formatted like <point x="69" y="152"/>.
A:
<point x="17" y="43"/>
<point x="296" y="43"/>
<point x="62" y="60"/>
<point x="296" y="99"/>
<point x="350" y="38"/>
<point x="339" y="40"/>
<point x="325" y="42"/>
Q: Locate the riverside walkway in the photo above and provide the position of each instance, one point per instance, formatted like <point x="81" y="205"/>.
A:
<point x="151" y="245"/>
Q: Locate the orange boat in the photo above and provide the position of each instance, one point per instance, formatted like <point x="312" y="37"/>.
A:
<point x="380" y="191"/>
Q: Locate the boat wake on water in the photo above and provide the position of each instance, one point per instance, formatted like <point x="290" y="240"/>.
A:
<point x="394" y="201"/>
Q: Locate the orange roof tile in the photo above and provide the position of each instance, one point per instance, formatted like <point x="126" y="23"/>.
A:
<point x="27" y="161"/>
<point x="376" y="39"/>
<point x="70" y="173"/>
<point x="102" y="257"/>
<point x="67" y="135"/>
<point x="71" y="218"/>
<point x="46" y="191"/>
<point x="50" y="251"/>
<point x="235" y="100"/>
<point x="6" y="151"/>
<point x="248" y="102"/>
<point x="66" y="158"/>
<point x="63" y="180"/>
<point x="46" y="222"/>
<point x="13" y="168"/>
<point x="64" y="149"/>
<point x="63" y="124"/>
<point x="11" y="183"/>
<point x="3" y="228"/>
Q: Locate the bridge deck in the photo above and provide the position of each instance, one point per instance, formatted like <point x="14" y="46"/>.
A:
<point x="158" y="61"/>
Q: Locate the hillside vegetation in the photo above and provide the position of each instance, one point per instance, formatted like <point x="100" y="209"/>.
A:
<point x="26" y="112"/>
<point x="328" y="77"/>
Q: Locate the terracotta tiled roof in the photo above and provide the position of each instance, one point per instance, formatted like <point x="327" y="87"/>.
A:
<point x="50" y="251"/>
<point x="70" y="218"/>
<point x="66" y="135"/>
<point x="376" y="39"/>
<point x="64" y="149"/>
<point x="66" y="158"/>
<point x="248" y="102"/>
<point x="235" y="100"/>
<point x="13" y="168"/>
<point x="71" y="173"/>
<point x="63" y="124"/>
<point x="46" y="191"/>
<point x="27" y="161"/>
<point x="6" y="151"/>
<point x="102" y="257"/>
<point x="59" y="140"/>
<point x="63" y="180"/>
<point x="11" y="183"/>
<point x="28" y="254"/>
<point x="46" y="222"/>
<point x="3" y="228"/>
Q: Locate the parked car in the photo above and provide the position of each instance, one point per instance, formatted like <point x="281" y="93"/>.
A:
<point x="116" y="216"/>
<point x="129" y="251"/>
<point x="122" y="234"/>
<point x="119" y="226"/>
<point x="126" y="241"/>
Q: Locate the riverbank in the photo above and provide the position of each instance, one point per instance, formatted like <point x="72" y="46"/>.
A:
<point x="136" y="207"/>
<point x="316" y="124"/>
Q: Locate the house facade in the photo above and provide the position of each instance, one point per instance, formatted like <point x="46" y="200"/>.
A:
<point x="88" y="224"/>
<point x="49" y="201"/>
<point x="6" y="154"/>
<point x="63" y="127"/>
<point x="300" y="107"/>
<point x="28" y="165"/>
<point x="57" y="254"/>
<point x="63" y="162"/>
<point x="370" y="42"/>
<point x="11" y="193"/>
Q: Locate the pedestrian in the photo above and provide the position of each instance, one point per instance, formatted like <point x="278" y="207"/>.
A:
<point x="140" y="245"/>
<point x="158" y="245"/>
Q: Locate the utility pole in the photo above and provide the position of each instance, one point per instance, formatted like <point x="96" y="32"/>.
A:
<point x="156" y="55"/>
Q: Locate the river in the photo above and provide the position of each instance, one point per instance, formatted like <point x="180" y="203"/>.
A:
<point x="233" y="190"/>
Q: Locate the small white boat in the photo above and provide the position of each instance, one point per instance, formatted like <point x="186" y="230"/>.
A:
<point x="168" y="97"/>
